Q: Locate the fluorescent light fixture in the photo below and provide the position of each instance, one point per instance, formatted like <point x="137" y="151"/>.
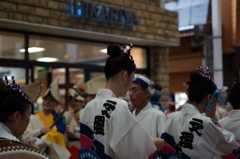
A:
<point x="186" y="27"/>
<point x="47" y="59"/>
<point x="33" y="49"/>
<point x="103" y="51"/>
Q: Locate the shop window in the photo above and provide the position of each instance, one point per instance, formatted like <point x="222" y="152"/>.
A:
<point x="11" y="45"/>
<point x="18" y="73"/>
<point x="58" y="74"/>
<point x="73" y="51"/>
<point x="76" y="75"/>
<point x="139" y="55"/>
<point x="65" y="50"/>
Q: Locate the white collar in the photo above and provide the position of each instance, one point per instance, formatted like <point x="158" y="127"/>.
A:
<point x="5" y="132"/>
<point x="148" y="106"/>
<point x="105" y="93"/>
<point x="190" y="109"/>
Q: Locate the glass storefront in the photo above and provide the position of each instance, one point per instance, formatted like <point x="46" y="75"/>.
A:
<point x="73" y="51"/>
<point x="18" y="73"/>
<point x="51" y="58"/>
<point x="11" y="45"/>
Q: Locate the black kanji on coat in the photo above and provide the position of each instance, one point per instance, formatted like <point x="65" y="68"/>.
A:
<point x="186" y="140"/>
<point x="110" y="106"/>
<point x="99" y="124"/>
<point x="178" y="149"/>
<point x="197" y="124"/>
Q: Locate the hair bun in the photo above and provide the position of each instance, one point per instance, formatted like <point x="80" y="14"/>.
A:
<point x="236" y="88"/>
<point x="113" y="50"/>
<point x="196" y="78"/>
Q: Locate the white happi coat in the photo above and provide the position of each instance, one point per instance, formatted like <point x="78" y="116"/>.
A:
<point x="109" y="129"/>
<point x="232" y="123"/>
<point x="190" y="134"/>
<point x="151" y="120"/>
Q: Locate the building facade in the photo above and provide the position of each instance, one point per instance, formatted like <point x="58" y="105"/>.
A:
<point x="66" y="40"/>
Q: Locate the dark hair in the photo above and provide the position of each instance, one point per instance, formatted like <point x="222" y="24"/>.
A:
<point x="235" y="96"/>
<point x="117" y="62"/>
<point x="2" y="84"/>
<point x="11" y="101"/>
<point x="156" y="95"/>
<point x="157" y="87"/>
<point x="199" y="87"/>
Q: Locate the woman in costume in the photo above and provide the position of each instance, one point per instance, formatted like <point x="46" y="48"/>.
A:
<point x="232" y="122"/>
<point x="192" y="132"/>
<point x="76" y="107"/>
<point x="107" y="126"/>
<point x="15" y="111"/>
<point x="50" y="138"/>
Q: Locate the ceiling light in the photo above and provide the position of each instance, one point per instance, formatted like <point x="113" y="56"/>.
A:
<point x="47" y="59"/>
<point x="33" y="49"/>
<point x="103" y="51"/>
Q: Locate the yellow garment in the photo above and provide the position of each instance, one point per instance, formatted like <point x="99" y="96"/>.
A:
<point x="53" y="135"/>
<point x="54" y="139"/>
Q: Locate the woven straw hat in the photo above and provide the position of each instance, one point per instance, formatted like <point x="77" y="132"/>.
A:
<point x="53" y="89"/>
<point x="73" y="93"/>
<point x="92" y="85"/>
<point x="32" y="90"/>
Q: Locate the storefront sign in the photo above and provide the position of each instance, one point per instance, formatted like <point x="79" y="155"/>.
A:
<point x="102" y="13"/>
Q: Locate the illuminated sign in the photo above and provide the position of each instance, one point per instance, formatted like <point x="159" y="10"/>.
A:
<point x="102" y="13"/>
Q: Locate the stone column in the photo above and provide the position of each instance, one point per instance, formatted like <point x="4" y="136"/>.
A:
<point x="160" y="71"/>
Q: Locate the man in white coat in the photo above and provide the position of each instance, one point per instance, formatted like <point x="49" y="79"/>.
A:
<point x="149" y="118"/>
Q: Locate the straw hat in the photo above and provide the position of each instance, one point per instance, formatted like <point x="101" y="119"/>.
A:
<point x="53" y="89"/>
<point x="32" y="90"/>
<point x="92" y="85"/>
<point x="73" y="93"/>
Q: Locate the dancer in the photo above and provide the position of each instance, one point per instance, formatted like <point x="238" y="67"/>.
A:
<point x="107" y="125"/>
<point x="192" y="131"/>
<point x="15" y="111"/>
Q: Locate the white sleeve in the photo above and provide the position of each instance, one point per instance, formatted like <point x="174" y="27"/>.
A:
<point x="42" y="146"/>
<point x="224" y="140"/>
<point x="29" y="132"/>
<point x="37" y="132"/>
<point x="141" y="145"/>
<point x="127" y="131"/>
<point x="161" y="123"/>
<point x="33" y="128"/>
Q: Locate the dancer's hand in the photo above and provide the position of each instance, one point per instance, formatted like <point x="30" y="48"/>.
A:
<point x="45" y="130"/>
<point x="158" y="143"/>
